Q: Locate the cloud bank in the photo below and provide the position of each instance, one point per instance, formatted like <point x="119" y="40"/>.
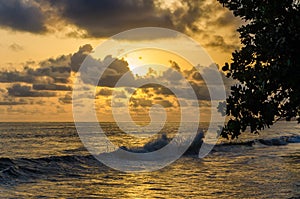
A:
<point x="105" y="18"/>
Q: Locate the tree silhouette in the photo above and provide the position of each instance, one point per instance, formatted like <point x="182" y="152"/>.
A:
<point x="267" y="66"/>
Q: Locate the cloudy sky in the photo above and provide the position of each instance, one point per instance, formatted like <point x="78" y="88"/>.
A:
<point x="43" y="43"/>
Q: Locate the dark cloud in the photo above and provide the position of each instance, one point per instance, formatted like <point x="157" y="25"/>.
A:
<point x="60" y="74"/>
<point x="158" y="98"/>
<point x="106" y="17"/>
<point x="201" y="91"/>
<point x="110" y="75"/>
<point x="197" y="82"/>
<point x="175" y="65"/>
<point x="61" y="80"/>
<point x="226" y="19"/>
<point x="114" y="72"/>
<point x="51" y="87"/>
<point x="186" y="17"/>
<point x="145" y="34"/>
<point x="210" y="72"/>
<point x="140" y="102"/>
<point x="15" y="76"/>
<point x="197" y="76"/>
<point x="18" y="90"/>
<point x="13" y="102"/>
<point x="22" y="15"/>
<point x="146" y="103"/>
<point x="161" y="90"/>
<point x="47" y="75"/>
<point x="51" y="76"/>
<point x="172" y="76"/>
<point x="52" y="71"/>
<point x="218" y="42"/>
<point x="165" y="103"/>
<point x="78" y="57"/>
<point x="105" y="92"/>
<point x="63" y="60"/>
<point x="67" y="99"/>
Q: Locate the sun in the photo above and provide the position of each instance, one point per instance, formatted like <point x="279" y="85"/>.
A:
<point x="136" y="65"/>
<point x="142" y="61"/>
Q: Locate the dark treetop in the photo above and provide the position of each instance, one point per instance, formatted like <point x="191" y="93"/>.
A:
<point x="267" y="66"/>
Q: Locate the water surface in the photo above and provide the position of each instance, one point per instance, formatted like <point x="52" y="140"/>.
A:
<point x="48" y="160"/>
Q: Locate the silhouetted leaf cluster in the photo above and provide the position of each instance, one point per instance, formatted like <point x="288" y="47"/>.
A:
<point x="267" y="65"/>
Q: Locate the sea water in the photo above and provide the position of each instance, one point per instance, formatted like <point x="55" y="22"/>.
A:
<point x="48" y="160"/>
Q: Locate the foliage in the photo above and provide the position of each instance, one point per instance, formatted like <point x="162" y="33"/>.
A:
<point x="267" y="65"/>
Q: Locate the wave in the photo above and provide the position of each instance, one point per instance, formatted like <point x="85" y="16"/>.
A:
<point x="280" y="141"/>
<point x="197" y="142"/>
<point x="20" y="170"/>
<point x="239" y="146"/>
<point x="163" y="140"/>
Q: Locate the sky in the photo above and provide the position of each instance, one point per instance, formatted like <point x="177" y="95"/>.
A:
<point x="43" y="44"/>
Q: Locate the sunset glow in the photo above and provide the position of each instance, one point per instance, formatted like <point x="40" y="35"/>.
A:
<point x="30" y="83"/>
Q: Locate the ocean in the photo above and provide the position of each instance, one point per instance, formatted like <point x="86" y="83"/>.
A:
<point x="48" y="160"/>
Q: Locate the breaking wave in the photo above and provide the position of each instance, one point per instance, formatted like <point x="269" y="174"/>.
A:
<point x="20" y="170"/>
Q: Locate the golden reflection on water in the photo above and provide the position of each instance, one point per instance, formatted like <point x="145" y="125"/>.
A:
<point x="217" y="176"/>
<point x="228" y="172"/>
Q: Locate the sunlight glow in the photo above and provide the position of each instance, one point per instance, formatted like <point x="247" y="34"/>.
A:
<point x="141" y="62"/>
